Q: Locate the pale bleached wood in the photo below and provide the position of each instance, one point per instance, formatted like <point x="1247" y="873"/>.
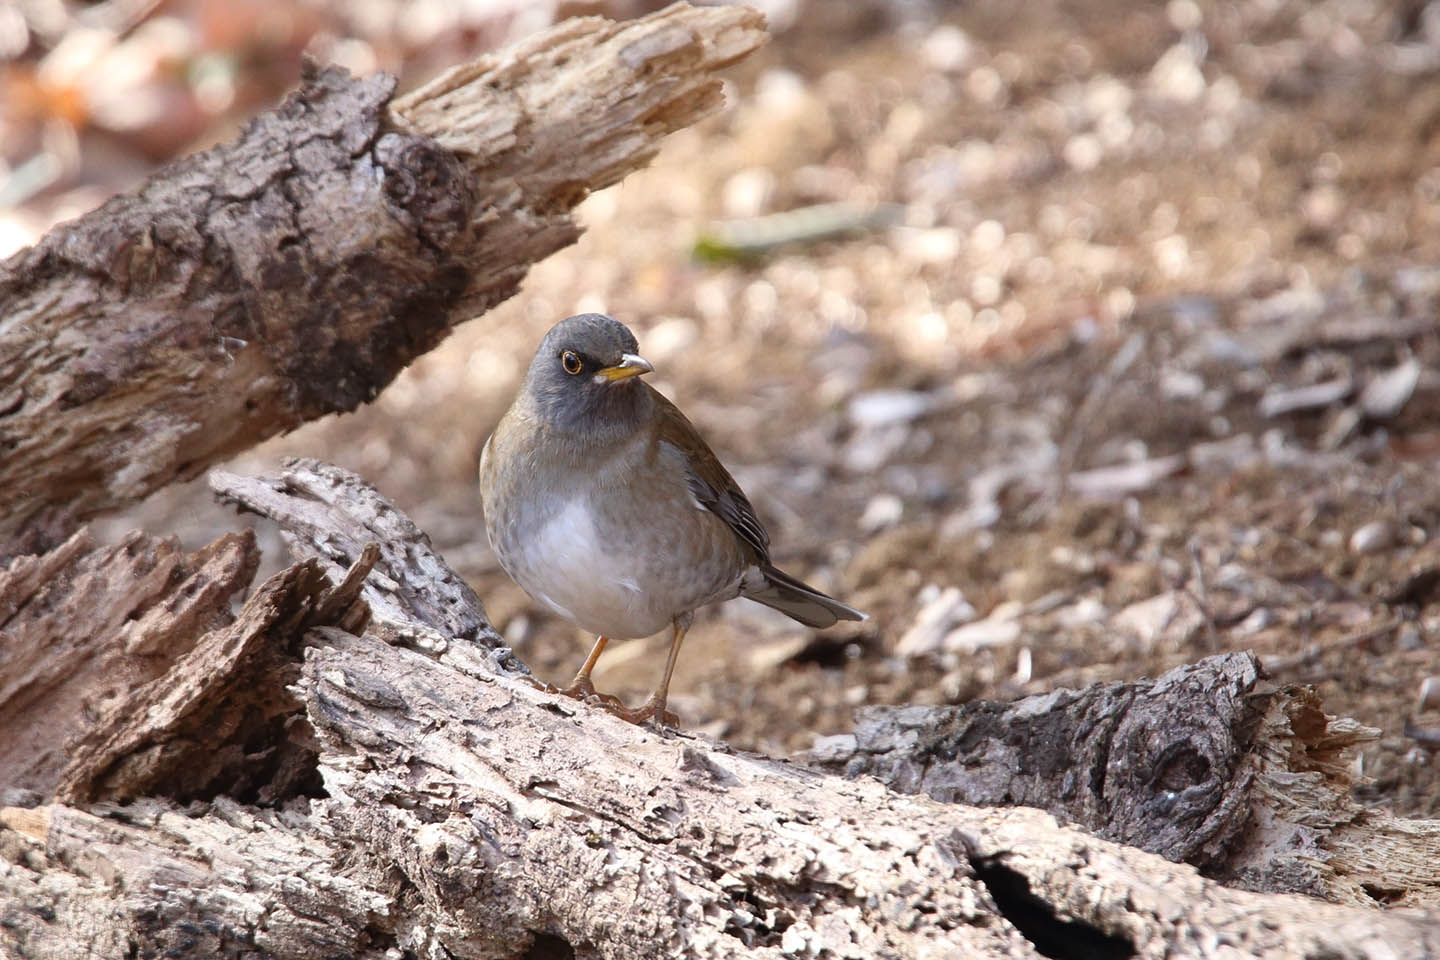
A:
<point x="473" y="813"/>
<point x="328" y="517"/>
<point x="149" y="879"/>
<point x="570" y="816"/>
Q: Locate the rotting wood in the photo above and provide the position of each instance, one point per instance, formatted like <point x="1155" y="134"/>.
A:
<point x="470" y="813"/>
<point x="295" y="271"/>
<point x="227" y="881"/>
<point x="222" y="720"/>
<point x="466" y="814"/>
<point x="84" y="626"/>
<point x="123" y="672"/>
<point x="430" y="607"/>
<point x="1209" y="764"/>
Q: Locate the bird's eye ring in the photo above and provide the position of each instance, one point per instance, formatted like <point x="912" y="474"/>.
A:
<point x="570" y="360"/>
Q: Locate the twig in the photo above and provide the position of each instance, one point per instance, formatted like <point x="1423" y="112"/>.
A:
<point x="1280" y="665"/>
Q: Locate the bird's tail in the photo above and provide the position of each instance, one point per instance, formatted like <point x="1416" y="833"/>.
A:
<point x="800" y="601"/>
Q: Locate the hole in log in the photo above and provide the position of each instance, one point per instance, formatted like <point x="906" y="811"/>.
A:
<point x="1382" y="895"/>
<point x="547" y="946"/>
<point x="378" y="940"/>
<point x="1181" y="767"/>
<point x="1052" y="936"/>
<point x="758" y="922"/>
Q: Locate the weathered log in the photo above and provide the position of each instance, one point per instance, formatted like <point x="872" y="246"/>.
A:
<point x="83" y="626"/>
<point x="221" y="720"/>
<point x="294" y="272"/>
<point x="468" y="816"/>
<point x="1208" y="765"/>
<point x="147" y="684"/>
<point x="153" y="880"/>
<point x="468" y="813"/>
<point x="1157" y="764"/>
<point x="123" y="672"/>
<point x="429" y="607"/>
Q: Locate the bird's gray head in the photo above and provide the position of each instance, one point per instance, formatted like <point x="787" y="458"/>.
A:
<point x="582" y="379"/>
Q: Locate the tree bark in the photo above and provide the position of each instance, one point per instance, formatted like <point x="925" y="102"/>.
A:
<point x="294" y="272"/>
<point x="123" y="672"/>
<point x="84" y="626"/>
<point x="1208" y="764"/>
<point x="466" y="812"/>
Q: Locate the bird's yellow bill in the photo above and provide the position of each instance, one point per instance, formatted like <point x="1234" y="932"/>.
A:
<point x="630" y="365"/>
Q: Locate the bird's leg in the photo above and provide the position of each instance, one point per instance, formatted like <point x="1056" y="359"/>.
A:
<point x="581" y="688"/>
<point x="654" y="708"/>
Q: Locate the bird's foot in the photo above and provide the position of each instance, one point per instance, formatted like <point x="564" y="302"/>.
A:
<point x="651" y="711"/>
<point x="583" y="690"/>
<point x="580" y="689"/>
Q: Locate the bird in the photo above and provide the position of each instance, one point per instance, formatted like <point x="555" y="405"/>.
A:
<point x="604" y="504"/>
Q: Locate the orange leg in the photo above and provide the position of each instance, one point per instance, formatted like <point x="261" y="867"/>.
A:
<point x="654" y="708"/>
<point x="581" y="688"/>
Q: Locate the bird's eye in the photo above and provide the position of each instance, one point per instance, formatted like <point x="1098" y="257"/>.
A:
<point x="570" y="360"/>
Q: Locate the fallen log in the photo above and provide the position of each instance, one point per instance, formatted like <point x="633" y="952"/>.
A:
<point x="295" y="271"/>
<point x="464" y="811"/>
<point x="1208" y="764"/>
<point x="123" y="672"/>
<point x="84" y="625"/>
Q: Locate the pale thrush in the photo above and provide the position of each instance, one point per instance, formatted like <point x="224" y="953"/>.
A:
<point x="605" y="505"/>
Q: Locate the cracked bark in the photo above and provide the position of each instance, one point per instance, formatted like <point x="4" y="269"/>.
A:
<point x="1208" y="764"/>
<point x="466" y="813"/>
<point x="295" y="271"/>
<point x="123" y="672"/>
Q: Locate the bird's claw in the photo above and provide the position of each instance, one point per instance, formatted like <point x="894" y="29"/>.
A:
<point x="651" y="711"/>
<point x="580" y="689"/>
<point x="583" y="690"/>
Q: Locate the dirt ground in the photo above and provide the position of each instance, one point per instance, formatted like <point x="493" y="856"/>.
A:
<point x="1147" y="369"/>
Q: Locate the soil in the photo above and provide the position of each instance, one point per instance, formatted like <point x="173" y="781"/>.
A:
<point x="1052" y="428"/>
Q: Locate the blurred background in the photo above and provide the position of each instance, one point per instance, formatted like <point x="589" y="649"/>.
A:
<point x="1104" y="339"/>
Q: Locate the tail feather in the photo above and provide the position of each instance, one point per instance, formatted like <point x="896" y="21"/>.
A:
<point x="800" y="601"/>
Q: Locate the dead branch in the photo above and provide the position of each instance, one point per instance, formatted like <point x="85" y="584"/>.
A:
<point x="295" y="271"/>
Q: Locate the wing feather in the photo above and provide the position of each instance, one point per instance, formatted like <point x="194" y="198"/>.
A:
<point x="709" y="482"/>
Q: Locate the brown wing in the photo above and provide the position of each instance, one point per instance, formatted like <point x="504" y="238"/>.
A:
<point x="709" y="481"/>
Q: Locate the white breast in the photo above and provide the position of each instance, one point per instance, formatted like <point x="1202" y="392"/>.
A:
<point x="573" y="571"/>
